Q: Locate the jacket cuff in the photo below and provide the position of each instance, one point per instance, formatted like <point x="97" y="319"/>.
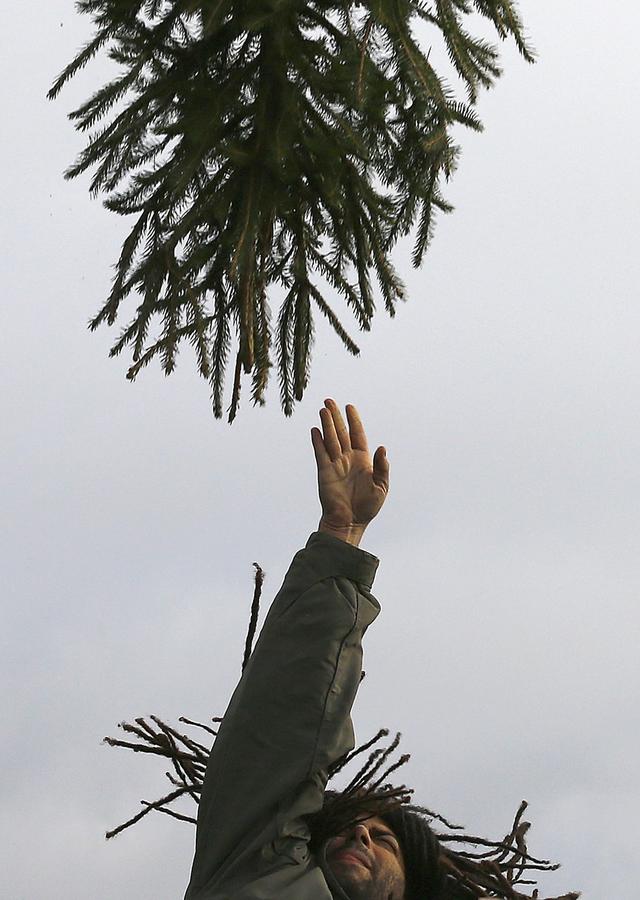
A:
<point x="335" y="558"/>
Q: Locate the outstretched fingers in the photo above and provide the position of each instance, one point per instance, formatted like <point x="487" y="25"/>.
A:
<point x="319" y="449"/>
<point x="341" y="430"/>
<point x="336" y="438"/>
<point x="356" y="429"/>
<point x="329" y="434"/>
<point x="381" y="469"/>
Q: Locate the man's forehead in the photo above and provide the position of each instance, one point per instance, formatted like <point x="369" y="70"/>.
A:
<point x="371" y="821"/>
<point x="376" y="822"/>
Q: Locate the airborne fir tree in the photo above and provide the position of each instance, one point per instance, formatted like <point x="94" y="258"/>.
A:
<point x="264" y="143"/>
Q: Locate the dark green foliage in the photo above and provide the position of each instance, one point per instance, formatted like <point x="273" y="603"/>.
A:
<point x="270" y="142"/>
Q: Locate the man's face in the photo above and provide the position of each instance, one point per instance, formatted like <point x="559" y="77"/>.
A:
<point x="366" y="861"/>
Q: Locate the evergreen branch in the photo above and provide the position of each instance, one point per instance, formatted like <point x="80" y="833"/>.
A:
<point x="130" y="247"/>
<point x="363" y="56"/>
<point x="219" y="354"/>
<point x="87" y="53"/>
<point x="302" y="338"/>
<point x="165" y="346"/>
<point x="284" y="355"/>
<point x="425" y="227"/>
<point x="333" y="274"/>
<point x="390" y="284"/>
<point x="103" y="100"/>
<point x="235" y="394"/>
<point x="324" y="307"/>
<point x="507" y="21"/>
<point x="475" y="61"/>
<point x="262" y="340"/>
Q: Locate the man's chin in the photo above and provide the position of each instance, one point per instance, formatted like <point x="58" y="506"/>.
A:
<point x="353" y="878"/>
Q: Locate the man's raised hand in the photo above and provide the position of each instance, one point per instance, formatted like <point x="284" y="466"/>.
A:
<point x="352" y="485"/>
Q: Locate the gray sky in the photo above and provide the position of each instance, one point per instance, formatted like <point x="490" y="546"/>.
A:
<point x="507" y="393"/>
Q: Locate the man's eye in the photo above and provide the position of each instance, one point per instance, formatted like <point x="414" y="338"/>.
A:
<point x="388" y="840"/>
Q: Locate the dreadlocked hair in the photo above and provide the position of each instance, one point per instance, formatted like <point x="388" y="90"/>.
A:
<point x="440" y="864"/>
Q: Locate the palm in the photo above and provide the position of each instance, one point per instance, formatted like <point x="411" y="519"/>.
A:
<point x="352" y="485"/>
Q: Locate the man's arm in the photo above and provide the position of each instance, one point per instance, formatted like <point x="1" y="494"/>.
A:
<point x="289" y="717"/>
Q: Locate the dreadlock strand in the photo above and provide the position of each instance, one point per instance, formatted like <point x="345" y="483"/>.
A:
<point x="340" y="764"/>
<point x="372" y="765"/>
<point x="148" y="807"/>
<point x="428" y="813"/>
<point x="198" y="725"/>
<point x="182" y="766"/>
<point x="143" y="729"/>
<point x="145" y="734"/>
<point x="403" y="759"/>
<point x="253" y="620"/>
<point x="174" y="814"/>
<point x="192" y="789"/>
<point x="184" y="777"/>
<point x="140" y="748"/>
<point x="360" y="778"/>
<point x="480" y="877"/>
<point x="173" y="735"/>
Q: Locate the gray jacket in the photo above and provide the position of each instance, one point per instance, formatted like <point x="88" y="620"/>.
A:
<point x="288" y="721"/>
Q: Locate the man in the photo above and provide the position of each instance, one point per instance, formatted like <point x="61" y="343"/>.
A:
<point x="289" y="717"/>
<point x="267" y="830"/>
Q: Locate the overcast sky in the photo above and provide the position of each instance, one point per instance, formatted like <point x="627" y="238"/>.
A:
<point x="507" y="390"/>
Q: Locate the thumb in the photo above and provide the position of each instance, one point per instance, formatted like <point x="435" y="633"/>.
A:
<point x="381" y="469"/>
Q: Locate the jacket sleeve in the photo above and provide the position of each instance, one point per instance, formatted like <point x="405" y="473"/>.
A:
<point x="289" y="717"/>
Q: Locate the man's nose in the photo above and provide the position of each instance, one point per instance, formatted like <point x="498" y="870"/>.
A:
<point x="361" y="835"/>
